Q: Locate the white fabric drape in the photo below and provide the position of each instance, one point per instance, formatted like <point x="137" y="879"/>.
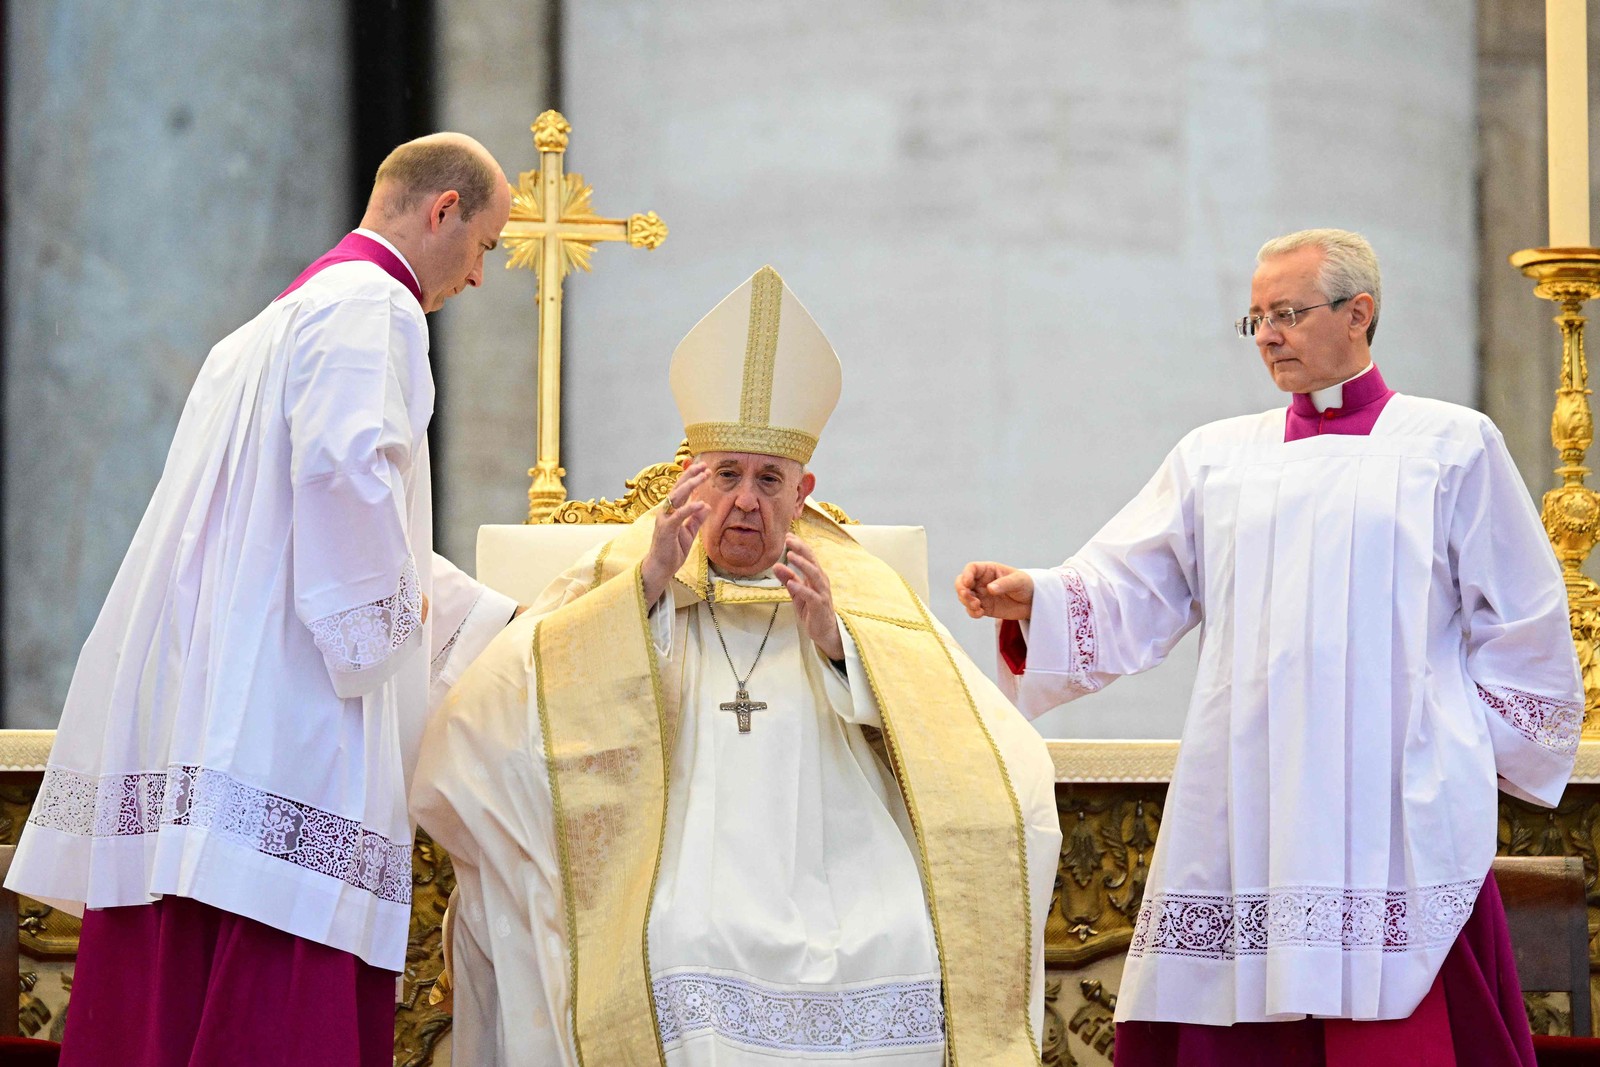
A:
<point x="1385" y="634"/>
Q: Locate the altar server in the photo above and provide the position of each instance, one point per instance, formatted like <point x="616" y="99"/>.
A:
<point x="674" y="839"/>
<point x="227" y="790"/>
<point x="1385" y="639"/>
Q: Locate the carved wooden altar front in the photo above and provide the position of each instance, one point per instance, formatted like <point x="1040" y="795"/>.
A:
<point x="1109" y="794"/>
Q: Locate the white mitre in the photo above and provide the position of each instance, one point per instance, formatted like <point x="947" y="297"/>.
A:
<point x="756" y="374"/>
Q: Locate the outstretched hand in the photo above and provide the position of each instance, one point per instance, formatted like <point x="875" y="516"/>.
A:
<point x="995" y="590"/>
<point x="808" y="587"/>
<point x="676" y="526"/>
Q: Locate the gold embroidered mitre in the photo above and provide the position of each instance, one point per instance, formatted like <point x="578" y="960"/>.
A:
<point x="756" y="374"/>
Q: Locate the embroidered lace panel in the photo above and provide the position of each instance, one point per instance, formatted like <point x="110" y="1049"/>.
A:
<point x="1080" y="621"/>
<point x="1224" y="926"/>
<point x="366" y="636"/>
<point x="1554" y="724"/>
<point x="893" y="1015"/>
<point x="122" y="805"/>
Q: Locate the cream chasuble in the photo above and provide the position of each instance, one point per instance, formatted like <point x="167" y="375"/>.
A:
<point x="1384" y="639"/>
<point x="777" y="910"/>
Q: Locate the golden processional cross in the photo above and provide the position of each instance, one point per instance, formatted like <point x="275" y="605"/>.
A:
<point x="553" y="229"/>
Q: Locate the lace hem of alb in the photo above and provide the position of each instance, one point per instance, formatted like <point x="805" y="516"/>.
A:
<point x="364" y="637"/>
<point x="1223" y="926"/>
<point x="817" y="1022"/>
<point x="1080" y="623"/>
<point x="1552" y="724"/>
<point x="127" y="805"/>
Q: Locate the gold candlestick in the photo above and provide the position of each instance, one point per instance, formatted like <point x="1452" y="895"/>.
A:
<point x="1570" y="277"/>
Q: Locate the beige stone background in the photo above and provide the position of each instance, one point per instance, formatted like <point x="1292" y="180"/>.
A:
<point x="1025" y="226"/>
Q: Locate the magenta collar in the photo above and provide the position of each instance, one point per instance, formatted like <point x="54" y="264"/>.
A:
<point x="359" y="247"/>
<point x="1364" y="400"/>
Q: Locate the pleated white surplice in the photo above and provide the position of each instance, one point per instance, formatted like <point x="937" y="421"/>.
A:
<point x="1384" y="636"/>
<point x="246" y="711"/>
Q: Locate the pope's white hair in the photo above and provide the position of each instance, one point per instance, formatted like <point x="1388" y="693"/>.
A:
<point x="1349" y="265"/>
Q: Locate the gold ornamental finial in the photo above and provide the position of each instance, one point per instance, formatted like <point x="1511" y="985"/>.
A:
<point x="553" y="229"/>
<point x="550" y="132"/>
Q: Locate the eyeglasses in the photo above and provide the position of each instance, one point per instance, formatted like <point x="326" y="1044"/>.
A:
<point x="1279" y="319"/>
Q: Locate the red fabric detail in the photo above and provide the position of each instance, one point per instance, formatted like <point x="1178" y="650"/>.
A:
<point x="1013" y="646"/>
<point x="1486" y="1024"/>
<point x="1364" y="400"/>
<point x="359" y="248"/>
<point x="27" y="1052"/>
<point x="1566" y="1051"/>
<point x="1425" y="1036"/>
<point x="178" y="983"/>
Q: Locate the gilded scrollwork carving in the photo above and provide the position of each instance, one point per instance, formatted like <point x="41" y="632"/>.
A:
<point x="418" y="1025"/>
<point x="1108" y="837"/>
<point x="1094" y="1021"/>
<point x="1053" y="1048"/>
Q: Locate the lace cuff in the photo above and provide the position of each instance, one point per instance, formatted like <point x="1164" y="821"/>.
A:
<point x="1548" y="723"/>
<point x="362" y="638"/>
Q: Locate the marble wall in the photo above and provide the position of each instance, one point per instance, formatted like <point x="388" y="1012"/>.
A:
<point x="1025" y="227"/>
<point x="168" y="169"/>
<point x="493" y="82"/>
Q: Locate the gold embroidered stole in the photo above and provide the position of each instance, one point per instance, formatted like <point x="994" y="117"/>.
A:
<point x="608" y="744"/>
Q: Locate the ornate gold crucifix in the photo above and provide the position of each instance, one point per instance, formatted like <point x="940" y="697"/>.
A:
<point x="553" y="229"/>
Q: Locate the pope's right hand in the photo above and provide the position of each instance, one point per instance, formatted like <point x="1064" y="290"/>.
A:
<point x="676" y="526"/>
<point x="996" y="591"/>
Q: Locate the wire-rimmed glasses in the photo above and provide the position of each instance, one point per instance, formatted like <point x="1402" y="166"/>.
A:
<point x="1279" y="319"/>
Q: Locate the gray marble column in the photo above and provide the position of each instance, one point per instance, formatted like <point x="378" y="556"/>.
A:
<point x="493" y="78"/>
<point x="169" y="168"/>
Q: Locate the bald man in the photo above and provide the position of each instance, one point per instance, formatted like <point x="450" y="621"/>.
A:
<point x="227" y="792"/>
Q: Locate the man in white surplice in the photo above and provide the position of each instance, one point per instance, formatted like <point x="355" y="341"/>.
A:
<point x="227" y="789"/>
<point x="789" y="917"/>
<point x="1385" y="636"/>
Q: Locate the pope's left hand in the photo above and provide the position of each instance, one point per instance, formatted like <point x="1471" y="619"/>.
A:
<point x="813" y="597"/>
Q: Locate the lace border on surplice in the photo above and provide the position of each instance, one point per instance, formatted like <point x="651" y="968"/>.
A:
<point x="1223" y="926"/>
<point x="1552" y="724"/>
<point x="365" y="636"/>
<point x="125" y="805"/>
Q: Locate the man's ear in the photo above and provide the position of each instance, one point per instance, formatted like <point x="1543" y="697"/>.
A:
<point x="1360" y="313"/>
<point x="808" y="482"/>
<point x="439" y="210"/>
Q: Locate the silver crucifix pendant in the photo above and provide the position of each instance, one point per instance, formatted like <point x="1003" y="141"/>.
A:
<point x="741" y="705"/>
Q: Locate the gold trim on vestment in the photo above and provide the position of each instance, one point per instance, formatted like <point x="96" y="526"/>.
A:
<point x="760" y="349"/>
<point x="737" y="437"/>
<point x="602" y="765"/>
<point x="605" y="729"/>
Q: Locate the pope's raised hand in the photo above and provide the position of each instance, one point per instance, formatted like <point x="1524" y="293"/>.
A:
<point x="995" y="590"/>
<point x="808" y="587"/>
<point x="676" y="526"/>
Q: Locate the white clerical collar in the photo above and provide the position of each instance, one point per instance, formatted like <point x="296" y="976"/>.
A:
<point x="1333" y="395"/>
<point x="765" y="579"/>
<point x="385" y="242"/>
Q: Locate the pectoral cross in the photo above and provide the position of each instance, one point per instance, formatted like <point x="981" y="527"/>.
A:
<point x="741" y="705"/>
<point x="553" y="229"/>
